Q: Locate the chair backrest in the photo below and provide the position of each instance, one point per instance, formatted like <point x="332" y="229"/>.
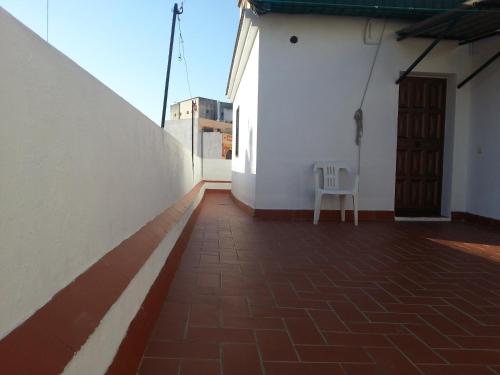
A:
<point x="331" y="173"/>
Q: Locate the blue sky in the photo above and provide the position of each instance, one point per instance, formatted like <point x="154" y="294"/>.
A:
<point x="124" y="43"/>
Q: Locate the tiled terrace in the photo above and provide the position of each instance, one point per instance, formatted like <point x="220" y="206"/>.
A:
<point x="256" y="297"/>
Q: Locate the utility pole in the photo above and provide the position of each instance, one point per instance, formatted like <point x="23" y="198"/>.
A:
<point x="176" y="12"/>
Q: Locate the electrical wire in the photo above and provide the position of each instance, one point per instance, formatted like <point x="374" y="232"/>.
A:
<point x="379" y="44"/>
<point x="358" y="115"/>
<point x="183" y="57"/>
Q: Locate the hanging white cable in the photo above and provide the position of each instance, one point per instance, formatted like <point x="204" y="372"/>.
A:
<point x="358" y="115"/>
<point x="379" y="44"/>
<point x="181" y="42"/>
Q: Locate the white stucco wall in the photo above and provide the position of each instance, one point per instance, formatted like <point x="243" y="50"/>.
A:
<point x="217" y="170"/>
<point x="244" y="165"/>
<point x="214" y="167"/>
<point x="80" y="170"/>
<point x="181" y="131"/>
<point x="99" y="351"/>
<point x="483" y="196"/>
<point x="212" y="145"/>
<point x="309" y="91"/>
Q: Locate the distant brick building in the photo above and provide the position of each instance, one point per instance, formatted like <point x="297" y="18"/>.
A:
<point x="206" y="108"/>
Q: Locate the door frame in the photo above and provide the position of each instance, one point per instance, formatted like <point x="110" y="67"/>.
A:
<point x="448" y="141"/>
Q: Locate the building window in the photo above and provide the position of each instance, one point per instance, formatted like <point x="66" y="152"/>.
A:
<point x="237" y="151"/>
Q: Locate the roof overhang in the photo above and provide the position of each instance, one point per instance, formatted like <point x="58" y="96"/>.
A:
<point x="408" y="9"/>
<point x="247" y="33"/>
<point x="464" y="21"/>
<point x="472" y="21"/>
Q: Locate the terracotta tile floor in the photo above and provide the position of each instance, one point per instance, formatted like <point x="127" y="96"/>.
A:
<point x="256" y="297"/>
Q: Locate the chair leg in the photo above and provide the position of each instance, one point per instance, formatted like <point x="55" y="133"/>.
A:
<point x="342" y="207"/>
<point x="355" y="207"/>
<point x="317" y="208"/>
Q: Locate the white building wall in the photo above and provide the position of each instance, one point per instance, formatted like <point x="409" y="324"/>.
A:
<point x="181" y="130"/>
<point x="214" y="167"/>
<point x="80" y="170"/>
<point x="212" y="145"/>
<point x="244" y="165"/>
<point x="483" y="196"/>
<point x="309" y="92"/>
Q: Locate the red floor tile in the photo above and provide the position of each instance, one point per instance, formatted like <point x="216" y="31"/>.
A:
<point x="199" y="367"/>
<point x="253" y="323"/>
<point x="275" y="346"/>
<point x="303" y="331"/>
<point x="159" y="366"/>
<point x="431" y="336"/>
<point x="456" y="370"/>
<point x="474" y="357"/>
<point x="303" y="369"/>
<point x="357" y="339"/>
<point x="391" y="362"/>
<point x="204" y="315"/>
<point x="167" y="349"/>
<point x="328" y="321"/>
<point x="279" y="312"/>
<point x="319" y="353"/>
<point x="220" y="335"/>
<point x="293" y="298"/>
<point x="361" y="369"/>
<point x="347" y="311"/>
<point x="376" y="328"/>
<point x="415" y="350"/>
<point x="169" y="330"/>
<point x="444" y="325"/>
<point x="241" y="359"/>
<point x="386" y="317"/>
<point x="474" y="342"/>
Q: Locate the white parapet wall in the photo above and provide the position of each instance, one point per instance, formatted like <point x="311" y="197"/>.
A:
<point x="80" y="170"/>
<point x="214" y="166"/>
<point x="207" y="147"/>
<point x="98" y="352"/>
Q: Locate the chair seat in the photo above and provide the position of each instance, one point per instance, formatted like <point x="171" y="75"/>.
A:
<point x="336" y="191"/>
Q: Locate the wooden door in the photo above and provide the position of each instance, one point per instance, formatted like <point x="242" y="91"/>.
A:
<point x="419" y="161"/>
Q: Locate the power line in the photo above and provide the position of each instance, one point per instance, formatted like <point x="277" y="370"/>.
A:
<point x="181" y="48"/>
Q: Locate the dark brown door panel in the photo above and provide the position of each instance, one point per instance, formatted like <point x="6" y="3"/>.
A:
<point x="419" y="159"/>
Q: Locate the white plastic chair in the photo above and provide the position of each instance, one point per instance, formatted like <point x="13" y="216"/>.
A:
<point x="333" y="184"/>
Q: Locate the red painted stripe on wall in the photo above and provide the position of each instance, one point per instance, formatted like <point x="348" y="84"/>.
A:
<point x="129" y="354"/>
<point x="47" y="341"/>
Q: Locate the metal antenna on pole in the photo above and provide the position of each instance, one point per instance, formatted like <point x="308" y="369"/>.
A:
<point x="176" y="12"/>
